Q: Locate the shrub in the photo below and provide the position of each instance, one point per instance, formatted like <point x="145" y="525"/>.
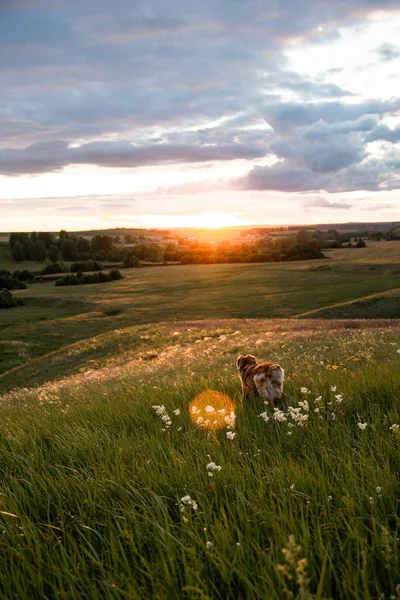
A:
<point x="115" y="274"/>
<point x="52" y="269"/>
<point x="82" y="279"/>
<point x="11" y="281"/>
<point x="6" y="299"/>
<point x="86" y="265"/>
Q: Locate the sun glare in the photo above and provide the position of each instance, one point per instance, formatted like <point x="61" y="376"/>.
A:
<point x="213" y="410"/>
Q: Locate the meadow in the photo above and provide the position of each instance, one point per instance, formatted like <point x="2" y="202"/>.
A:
<point x="129" y="467"/>
<point x="105" y="494"/>
<point x="54" y="318"/>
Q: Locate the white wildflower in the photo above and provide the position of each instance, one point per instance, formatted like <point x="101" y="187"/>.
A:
<point x="194" y="410"/>
<point x="187" y="503"/>
<point x="333" y="388"/>
<point x="209" y="409"/>
<point x="209" y="546"/>
<point x="378" y="489"/>
<point x="394" y="426"/>
<point x="264" y="416"/>
<point x="330" y="498"/>
<point x="292" y="487"/>
<point x="304" y="390"/>
<point x="161" y="412"/>
<point x="318" y="399"/>
<point x="362" y="425"/>
<point x="316" y="410"/>
<point x="230" y="435"/>
<point x="279" y="415"/>
<point x="339" y="398"/>
<point x="371" y="500"/>
<point x="304" y="405"/>
<point x="211" y="467"/>
<point x="230" y="420"/>
<point x="177" y="411"/>
<point x="333" y="415"/>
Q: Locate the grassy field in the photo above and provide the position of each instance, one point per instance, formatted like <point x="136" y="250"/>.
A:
<point x="111" y="487"/>
<point x="97" y="490"/>
<point x="55" y="317"/>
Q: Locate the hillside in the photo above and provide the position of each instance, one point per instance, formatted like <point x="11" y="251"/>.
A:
<point x="54" y="318"/>
<point x="107" y="495"/>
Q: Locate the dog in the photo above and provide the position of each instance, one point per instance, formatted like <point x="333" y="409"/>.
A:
<point x="264" y="380"/>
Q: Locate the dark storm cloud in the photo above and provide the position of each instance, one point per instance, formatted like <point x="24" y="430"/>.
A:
<point x="157" y="74"/>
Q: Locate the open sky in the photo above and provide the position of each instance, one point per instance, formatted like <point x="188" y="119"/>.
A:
<point x="184" y="112"/>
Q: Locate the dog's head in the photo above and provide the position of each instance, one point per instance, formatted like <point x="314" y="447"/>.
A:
<point x="245" y="361"/>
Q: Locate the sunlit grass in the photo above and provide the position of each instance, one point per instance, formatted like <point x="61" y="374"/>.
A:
<point x="92" y="481"/>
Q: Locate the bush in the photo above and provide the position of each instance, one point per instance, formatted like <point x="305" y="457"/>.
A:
<point x="6" y="299"/>
<point x="86" y="265"/>
<point x="11" y="281"/>
<point x="52" y="269"/>
<point x="115" y="274"/>
<point x="82" y="279"/>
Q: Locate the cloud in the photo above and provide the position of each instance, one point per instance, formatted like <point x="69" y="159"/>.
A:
<point x="286" y="116"/>
<point x="382" y="132"/>
<point x="369" y="175"/>
<point x="125" y="85"/>
<point x="53" y="156"/>
<point x="326" y="203"/>
<point x="388" y="52"/>
<point x="320" y="155"/>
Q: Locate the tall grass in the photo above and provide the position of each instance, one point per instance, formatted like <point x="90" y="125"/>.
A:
<point x="91" y="482"/>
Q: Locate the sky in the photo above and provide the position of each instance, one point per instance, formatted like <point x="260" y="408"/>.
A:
<point x="174" y="113"/>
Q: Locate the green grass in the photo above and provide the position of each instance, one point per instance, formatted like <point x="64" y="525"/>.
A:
<point x="92" y="481"/>
<point x="385" y="306"/>
<point x="156" y="294"/>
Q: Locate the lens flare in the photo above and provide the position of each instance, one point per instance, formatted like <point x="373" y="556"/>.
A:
<point x="213" y="410"/>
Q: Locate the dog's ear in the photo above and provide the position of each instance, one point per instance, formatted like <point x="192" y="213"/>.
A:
<point x="239" y="361"/>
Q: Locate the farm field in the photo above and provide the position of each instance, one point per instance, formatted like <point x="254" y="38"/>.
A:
<point x="106" y="486"/>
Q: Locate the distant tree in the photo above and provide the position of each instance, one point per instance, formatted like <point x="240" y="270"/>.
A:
<point x="38" y="250"/>
<point x="361" y="243"/>
<point x="17" y="252"/>
<point x="131" y="261"/>
<point x="128" y="238"/>
<point x="84" y="247"/>
<point x="46" y="237"/>
<point x="68" y="249"/>
<point x="303" y="237"/>
<point x="54" y="253"/>
<point x="102" y="243"/>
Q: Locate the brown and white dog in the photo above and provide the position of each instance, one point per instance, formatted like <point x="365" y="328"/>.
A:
<point x="264" y="380"/>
